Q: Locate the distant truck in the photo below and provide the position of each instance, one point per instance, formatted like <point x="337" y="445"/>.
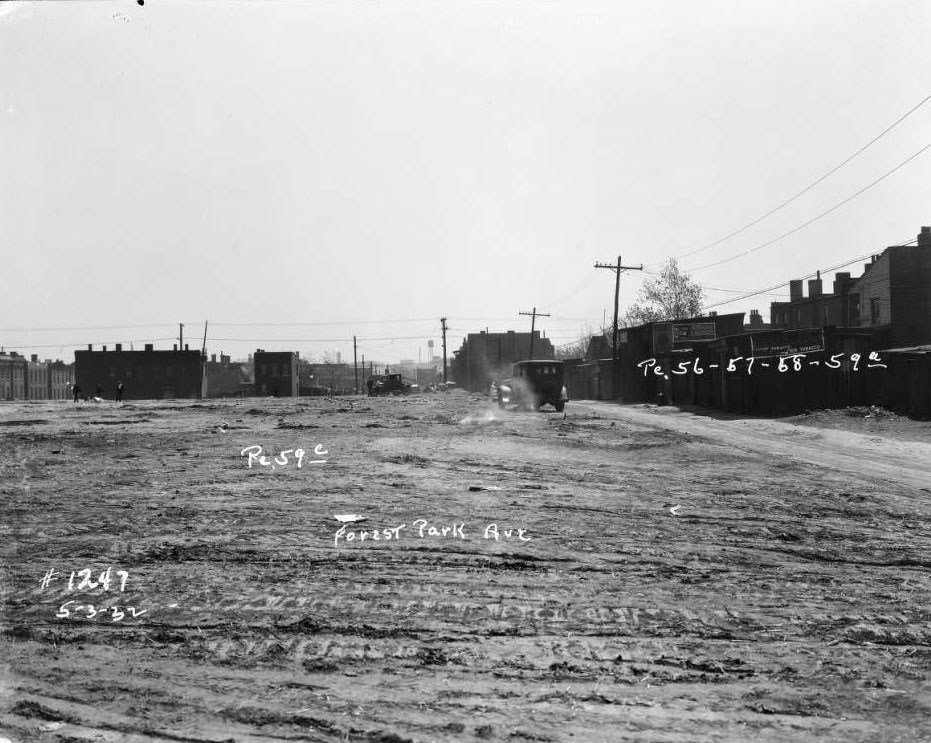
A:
<point x="388" y="384"/>
<point x="533" y="384"/>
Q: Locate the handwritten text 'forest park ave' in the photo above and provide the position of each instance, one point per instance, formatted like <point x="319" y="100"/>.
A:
<point x="792" y="362"/>
<point x="422" y="529"/>
<point x="254" y="455"/>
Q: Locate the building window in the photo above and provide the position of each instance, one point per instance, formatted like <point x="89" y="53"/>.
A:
<point x="853" y="309"/>
<point x="874" y="311"/>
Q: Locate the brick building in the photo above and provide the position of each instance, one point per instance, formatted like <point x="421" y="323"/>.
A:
<point x="484" y="357"/>
<point x="276" y="373"/>
<point x="60" y="377"/>
<point x="22" y="379"/>
<point x="38" y="383"/>
<point x="146" y="375"/>
<point x="891" y="301"/>
<point x="13" y="376"/>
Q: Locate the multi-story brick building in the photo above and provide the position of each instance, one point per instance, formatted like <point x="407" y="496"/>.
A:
<point x="22" y="379"/>
<point x="817" y="309"/>
<point x="60" y="378"/>
<point x="37" y="379"/>
<point x="146" y="375"/>
<point x="891" y="301"/>
<point x="13" y="376"/>
<point x="276" y="373"/>
<point x="484" y="357"/>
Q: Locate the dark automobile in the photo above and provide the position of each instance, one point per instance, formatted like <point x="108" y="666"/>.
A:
<point x="534" y="383"/>
<point x="388" y="384"/>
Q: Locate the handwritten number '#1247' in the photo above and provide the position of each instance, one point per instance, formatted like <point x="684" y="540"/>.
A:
<point x="104" y="578"/>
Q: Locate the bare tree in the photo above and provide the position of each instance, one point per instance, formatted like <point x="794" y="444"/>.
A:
<point x="572" y="350"/>
<point x="578" y="348"/>
<point x="670" y="296"/>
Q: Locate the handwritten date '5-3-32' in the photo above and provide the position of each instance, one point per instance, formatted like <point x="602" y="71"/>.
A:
<point x="89" y="611"/>
<point x="254" y="456"/>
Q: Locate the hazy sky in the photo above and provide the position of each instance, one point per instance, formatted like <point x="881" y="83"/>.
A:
<point x="301" y="172"/>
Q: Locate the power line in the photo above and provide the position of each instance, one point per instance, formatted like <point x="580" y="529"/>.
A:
<point x="77" y="346"/>
<point x="317" y="323"/>
<point x="85" y="327"/>
<point x="220" y="324"/>
<point x="811" y="185"/>
<point x="814" y="219"/>
<point x="815" y="273"/>
<point x="729" y="291"/>
<point x="317" y="340"/>
<point x="586" y="281"/>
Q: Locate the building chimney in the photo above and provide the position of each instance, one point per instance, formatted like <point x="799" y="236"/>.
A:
<point x="814" y="286"/>
<point x="90" y="346"/>
<point x="840" y="281"/>
<point x="795" y="290"/>
<point x="35" y="358"/>
<point x="149" y="347"/>
<point x="185" y="347"/>
<point x="174" y="347"/>
<point x="104" y="348"/>
<point x="213" y="358"/>
<point x="119" y="346"/>
<point x="924" y="237"/>
<point x="756" y="320"/>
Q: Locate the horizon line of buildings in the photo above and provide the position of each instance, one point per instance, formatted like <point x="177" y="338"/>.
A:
<point x="888" y="306"/>
<point x="186" y="374"/>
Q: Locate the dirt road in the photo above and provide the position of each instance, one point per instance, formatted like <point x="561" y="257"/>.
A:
<point x="611" y="574"/>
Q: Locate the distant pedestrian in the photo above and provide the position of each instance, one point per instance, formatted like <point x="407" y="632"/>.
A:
<point x="119" y="391"/>
<point x="76" y="389"/>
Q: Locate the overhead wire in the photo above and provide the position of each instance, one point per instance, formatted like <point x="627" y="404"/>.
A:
<point x="816" y="218"/>
<point x="810" y="186"/>
<point x="815" y="273"/>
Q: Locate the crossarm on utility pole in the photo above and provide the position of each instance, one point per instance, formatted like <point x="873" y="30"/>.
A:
<point x="533" y="315"/>
<point x="615" y="365"/>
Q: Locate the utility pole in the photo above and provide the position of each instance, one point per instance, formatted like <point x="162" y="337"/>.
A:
<point x="534" y="315"/>
<point x="203" y="365"/>
<point x="355" y="365"/>
<point x="615" y="365"/>
<point x="443" y="321"/>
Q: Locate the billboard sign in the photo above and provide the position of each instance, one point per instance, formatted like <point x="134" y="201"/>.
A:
<point x="693" y="331"/>
<point x="786" y="342"/>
